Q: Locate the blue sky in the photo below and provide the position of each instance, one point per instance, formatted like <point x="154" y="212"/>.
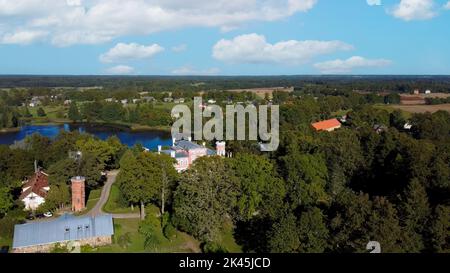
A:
<point x="233" y="37"/>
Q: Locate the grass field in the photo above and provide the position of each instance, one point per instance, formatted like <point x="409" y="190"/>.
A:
<point x="94" y="196"/>
<point x="422" y="108"/>
<point x="129" y="228"/>
<point x="113" y="204"/>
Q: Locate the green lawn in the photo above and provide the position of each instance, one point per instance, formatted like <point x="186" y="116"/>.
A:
<point x="227" y="241"/>
<point x="183" y="243"/>
<point x="5" y="243"/>
<point x="113" y="205"/>
<point x="94" y="196"/>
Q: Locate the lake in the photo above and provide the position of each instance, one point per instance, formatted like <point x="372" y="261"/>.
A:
<point x="149" y="139"/>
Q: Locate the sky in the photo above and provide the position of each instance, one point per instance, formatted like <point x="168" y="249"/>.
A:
<point x="224" y="37"/>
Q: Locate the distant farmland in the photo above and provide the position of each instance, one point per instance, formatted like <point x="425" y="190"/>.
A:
<point x="422" y="108"/>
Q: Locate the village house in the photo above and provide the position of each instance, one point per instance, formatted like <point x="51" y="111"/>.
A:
<point x="41" y="237"/>
<point x="148" y="99"/>
<point x="179" y="100"/>
<point x="168" y="99"/>
<point x="327" y="125"/>
<point x="34" y="190"/>
<point x="186" y="152"/>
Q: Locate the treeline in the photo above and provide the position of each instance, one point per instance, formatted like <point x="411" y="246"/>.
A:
<point x="220" y="83"/>
<point x="143" y="114"/>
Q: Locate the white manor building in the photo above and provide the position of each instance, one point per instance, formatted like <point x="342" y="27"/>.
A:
<point x="186" y="152"/>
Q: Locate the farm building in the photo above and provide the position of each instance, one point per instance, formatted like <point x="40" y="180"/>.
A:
<point x="43" y="236"/>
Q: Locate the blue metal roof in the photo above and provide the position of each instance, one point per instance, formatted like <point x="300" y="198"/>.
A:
<point x="65" y="228"/>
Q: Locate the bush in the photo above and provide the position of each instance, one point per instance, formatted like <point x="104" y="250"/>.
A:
<point x="170" y="232"/>
<point x="212" y="247"/>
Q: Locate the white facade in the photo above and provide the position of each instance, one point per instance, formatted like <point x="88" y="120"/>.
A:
<point x="32" y="201"/>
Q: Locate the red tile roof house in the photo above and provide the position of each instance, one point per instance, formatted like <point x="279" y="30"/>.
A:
<point x="327" y="125"/>
<point x="34" y="190"/>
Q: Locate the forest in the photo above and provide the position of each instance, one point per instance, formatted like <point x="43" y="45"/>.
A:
<point x="320" y="192"/>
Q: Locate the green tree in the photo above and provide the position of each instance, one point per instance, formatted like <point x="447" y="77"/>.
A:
<point x="313" y="232"/>
<point x="147" y="178"/>
<point x="74" y="113"/>
<point x="204" y="198"/>
<point x="6" y="200"/>
<point x="415" y="211"/>
<point x="439" y="230"/>
<point x="284" y="236"/>
<point x="41" y="112"/>
<point x="260" y="190"/>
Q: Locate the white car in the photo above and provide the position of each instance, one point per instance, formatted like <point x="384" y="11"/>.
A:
<point x="48" y="214"/>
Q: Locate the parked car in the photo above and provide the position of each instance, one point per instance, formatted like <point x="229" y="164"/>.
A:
<point x="48" y="214"/>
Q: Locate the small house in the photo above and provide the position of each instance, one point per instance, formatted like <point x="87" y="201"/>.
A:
<point x="327" y="125"/>
<point x="35" y="190"/>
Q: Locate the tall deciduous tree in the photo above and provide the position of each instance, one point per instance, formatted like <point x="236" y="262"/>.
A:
<point x="204" y="198"/>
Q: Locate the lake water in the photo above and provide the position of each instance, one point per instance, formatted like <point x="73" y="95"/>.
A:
<point x="149" y="139"/>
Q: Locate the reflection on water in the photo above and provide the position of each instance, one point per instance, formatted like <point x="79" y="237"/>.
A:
<point x="149" y="139"/>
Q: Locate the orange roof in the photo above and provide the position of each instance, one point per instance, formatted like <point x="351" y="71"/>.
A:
<point x="326" y="124"/>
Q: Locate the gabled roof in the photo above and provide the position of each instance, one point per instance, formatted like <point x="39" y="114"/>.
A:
<point x="326" y="124"/>
<point x="65" y="228"/>
<point x="36" y="184"/>
<point x="188" y="145"/>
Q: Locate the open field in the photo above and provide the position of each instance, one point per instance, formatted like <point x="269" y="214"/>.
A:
<point x="262" y="92"/>
<point x="422" y="108"/>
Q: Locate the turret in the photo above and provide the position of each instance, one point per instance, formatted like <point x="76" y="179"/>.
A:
<point x="220" y="148"/>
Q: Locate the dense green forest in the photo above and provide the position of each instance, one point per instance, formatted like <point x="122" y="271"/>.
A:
<point x="319" y="192"/>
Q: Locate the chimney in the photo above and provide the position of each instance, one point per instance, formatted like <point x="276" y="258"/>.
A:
<point x="159" y="149"/>
<point x="189" y="139"/>
<point x="172" y="154"/>
<point x="35" y="166"/>
<point x="174" y="140"/>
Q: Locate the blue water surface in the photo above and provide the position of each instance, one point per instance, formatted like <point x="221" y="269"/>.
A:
<point x="149" y="139"/>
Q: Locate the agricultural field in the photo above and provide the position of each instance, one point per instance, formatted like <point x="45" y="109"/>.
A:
<point x="422" y="108"/>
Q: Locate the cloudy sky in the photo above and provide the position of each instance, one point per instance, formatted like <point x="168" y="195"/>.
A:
<point x="224" y="37"/>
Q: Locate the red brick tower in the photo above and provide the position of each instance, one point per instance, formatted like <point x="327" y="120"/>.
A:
<point x="78" y="193"/>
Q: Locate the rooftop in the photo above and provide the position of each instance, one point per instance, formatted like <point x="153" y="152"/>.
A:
<point x="65" y="228"/>
<point x="36" y="184"/>
<point x="326" y="124"/>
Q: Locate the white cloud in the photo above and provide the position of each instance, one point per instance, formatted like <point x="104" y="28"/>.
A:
<point x="347" y="66"/>
<point x="120" y="70"/>
<point x="374" y="2"/>
<point x="179" y="48"/>
<point x="96" y="21"/>
<point x="253" y="48"/>
<point x="447" y="6"/>
<point x="22" y="37"/>
<point x="124" y="52"/>
<point x="410" y="10"/>
<point x="188" y="70"/>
